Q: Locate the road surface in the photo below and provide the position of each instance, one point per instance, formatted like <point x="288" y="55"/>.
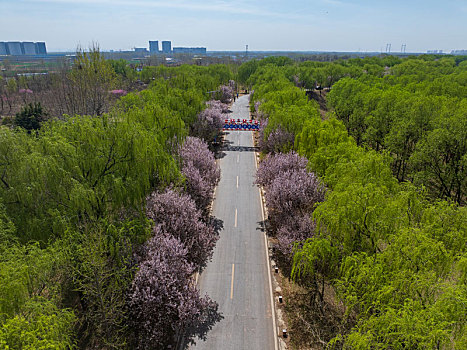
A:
<point x="238" y="275"/>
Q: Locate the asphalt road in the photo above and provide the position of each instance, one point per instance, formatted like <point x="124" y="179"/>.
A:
<point x="237" y="277"/>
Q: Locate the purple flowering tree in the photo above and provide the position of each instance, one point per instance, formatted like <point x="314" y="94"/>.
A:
<point x="278" y="140"/>
<point x="209" y="123"/>
<point x="290" y="233"/>
<point x="118" y="92"/>
<point x="274" y="165"/>
<point x="25" y="91"/>
<point x="176" y="214"/>
<point x="163" y="301"/>
<point x="216" y="104"/>
<point x="291" y="195"/>
<point x="225" y="94"/>
<point x="200" y="170"/>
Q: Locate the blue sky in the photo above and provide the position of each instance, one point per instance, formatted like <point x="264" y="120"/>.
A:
<point x="329" y="25"/>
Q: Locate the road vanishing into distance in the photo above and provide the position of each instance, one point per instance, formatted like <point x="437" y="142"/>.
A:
<point x="238" y="277"/>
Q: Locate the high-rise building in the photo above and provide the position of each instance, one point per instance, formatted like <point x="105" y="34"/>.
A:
<point x="4" y="48"/>
<point x="40" y="48"/>
<point x="167" y="47"/>
<point x="154" y="46"/>
<point x="28" y="48"/>
<point x="14" y="47"/>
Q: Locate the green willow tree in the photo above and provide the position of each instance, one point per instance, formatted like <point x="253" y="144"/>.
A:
<point x="393" y="254"/>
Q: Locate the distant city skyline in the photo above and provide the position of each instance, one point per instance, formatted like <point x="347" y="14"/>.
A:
<point x="274" y="25"/>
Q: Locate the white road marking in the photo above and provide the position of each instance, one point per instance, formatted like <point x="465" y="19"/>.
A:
<point x="232" y="282"/>
<point x="235" y="217"/>
<point x="237" y="181"/>
<point x="238" y="158"/>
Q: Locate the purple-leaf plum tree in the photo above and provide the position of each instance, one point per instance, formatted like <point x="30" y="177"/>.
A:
<point x="209" y="123"/>
<point x="291" y="195"/>
<point x="200" y="170"/>
<point x="274" y="165"/>
<point x="163" y="300"/>
<point x="225" y="94"/>
<point x="177" y="214"/>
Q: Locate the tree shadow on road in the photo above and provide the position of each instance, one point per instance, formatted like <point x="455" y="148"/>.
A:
<point x="262" y="225"/>
<point x="228" y="146"/>
<point x="218" y="225"/>
<point x="205" y="323"/>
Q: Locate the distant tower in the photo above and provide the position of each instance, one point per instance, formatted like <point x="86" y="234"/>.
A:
<point x="154" y="46"/>
<point x="246" y="50"/>
<point x="167" y="47"/>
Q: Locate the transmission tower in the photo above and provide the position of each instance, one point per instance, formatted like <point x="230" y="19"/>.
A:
<point x="246" y="50"/>
<point x="403" y="47"/>
<point x="388" y="48"/>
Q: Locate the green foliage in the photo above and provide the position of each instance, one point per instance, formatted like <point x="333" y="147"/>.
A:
<point x="418" y="114"/>
<point x="73" y="197"/>
<point x="121" y="68"/>
<point x="202" y="79"/>
<point x="40" y="326"/>
<point x="80" y="168"/>
<point x="103" y="268"/>
<point x="324" y="143"/>
<point x="91" y="79"/>
<point x="30" y="315"/>
<point x="246" y="70"/>
<point x="395" y="258"/>
<point x="30" y="117"/>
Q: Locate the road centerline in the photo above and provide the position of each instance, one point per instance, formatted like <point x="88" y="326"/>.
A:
<point x="235" y="224"/>
<point x="232" y="281"/>
<point x="248" y="322"/>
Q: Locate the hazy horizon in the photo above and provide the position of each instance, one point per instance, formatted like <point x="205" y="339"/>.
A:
<point x="299" y="25"/>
